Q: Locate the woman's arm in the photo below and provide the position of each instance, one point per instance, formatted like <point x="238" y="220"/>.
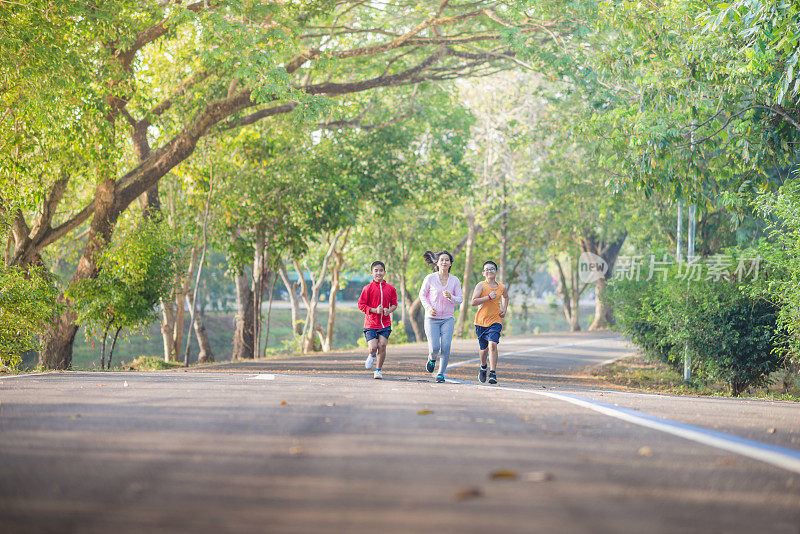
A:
<point x="423" y="293"/>
<point x="458" y="295"/>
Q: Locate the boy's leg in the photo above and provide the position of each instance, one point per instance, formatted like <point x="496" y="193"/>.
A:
<point x="493" y="356"/>
<point x="382" y="343"/>
<point x="372" y="346"/>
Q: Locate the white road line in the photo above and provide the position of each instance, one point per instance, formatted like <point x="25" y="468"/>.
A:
<point x="539" y="349"/>
<point x="24" y="375"/>
<point x="261" y="377"/>
<point x="783" y="457"/>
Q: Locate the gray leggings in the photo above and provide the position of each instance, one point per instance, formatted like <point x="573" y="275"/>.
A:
<point x="440" y="335"/>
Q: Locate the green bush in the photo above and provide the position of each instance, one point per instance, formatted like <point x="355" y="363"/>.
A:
<point x="27" y="304"/>
<point x="729" y="333"/>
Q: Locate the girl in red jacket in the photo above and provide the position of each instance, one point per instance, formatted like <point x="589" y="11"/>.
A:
<point x="378" y="300"/>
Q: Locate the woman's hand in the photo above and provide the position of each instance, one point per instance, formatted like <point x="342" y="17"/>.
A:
<point x="447" y="294"/>
<point x="502" y="313"/>
<point x="433" y="312"/>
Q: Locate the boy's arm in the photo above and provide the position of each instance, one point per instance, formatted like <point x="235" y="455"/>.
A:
<point x="503" y="304"/>
<point x="392" y="303"/>
<point x="477" y="299"/>
<point x="362" y="301"/>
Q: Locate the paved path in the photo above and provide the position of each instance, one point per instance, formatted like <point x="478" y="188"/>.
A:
<point x="316" y="445"/>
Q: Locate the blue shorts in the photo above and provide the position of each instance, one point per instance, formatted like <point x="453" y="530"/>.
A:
<point x="488" y="333"/>
<point x="373" y="333"/>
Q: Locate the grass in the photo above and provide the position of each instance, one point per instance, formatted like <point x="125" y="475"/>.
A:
<point x="641" y="373"/>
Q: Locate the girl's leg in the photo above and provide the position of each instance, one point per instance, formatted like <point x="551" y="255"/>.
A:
<point x="432" y="331"/>
<point x="447" y="328"/>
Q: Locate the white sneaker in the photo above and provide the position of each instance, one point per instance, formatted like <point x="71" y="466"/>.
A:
<point x="377" y="374"/>
<point x="369" y="362"/>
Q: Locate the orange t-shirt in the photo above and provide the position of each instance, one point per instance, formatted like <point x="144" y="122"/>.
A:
<point x="489" y="312"/>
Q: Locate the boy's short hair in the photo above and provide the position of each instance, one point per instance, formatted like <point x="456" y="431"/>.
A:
<point x="490" y="262"/>
<point x="378" y="262"/>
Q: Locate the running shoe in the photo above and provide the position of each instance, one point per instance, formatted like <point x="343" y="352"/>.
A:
<point x="369" y="362"/>
<point x="492" y="377"/>
<point x="440" y="378"/>
<point x="377" y="374"/>
<point x="431" y="365"/>
<point x="482" y="373"/>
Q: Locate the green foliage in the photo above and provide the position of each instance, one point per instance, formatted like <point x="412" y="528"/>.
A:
<point x="27" y="304"/>
<point x="136" y="271"/>
<point x="781" y="285"/>
<point x="729" y="334"/>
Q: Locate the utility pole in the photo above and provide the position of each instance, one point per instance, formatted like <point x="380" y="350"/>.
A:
<point x="687" y="357"/>
<point x="678" y="251"/>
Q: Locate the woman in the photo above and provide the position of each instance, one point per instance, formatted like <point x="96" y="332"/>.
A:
<point x="439" y="294"/>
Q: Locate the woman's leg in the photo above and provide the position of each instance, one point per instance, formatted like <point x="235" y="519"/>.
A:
<point x="447" y="328"/>
<point x="432" y="331"/>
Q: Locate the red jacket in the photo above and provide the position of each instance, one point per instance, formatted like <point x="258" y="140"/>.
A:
<point x="372" y="296"/>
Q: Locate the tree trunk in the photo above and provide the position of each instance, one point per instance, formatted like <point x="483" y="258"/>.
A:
<point x="415" y="315"/>
<point x="310" y="327"/>
<point x="243" y="335"/>
<point x="291" y="288"/>
<point x="591" y="242"/>
<point x="466" y="280"/>
<point x="571" y="309"/>
<point x="56" y="352"/>
<point x="206" y="353"/>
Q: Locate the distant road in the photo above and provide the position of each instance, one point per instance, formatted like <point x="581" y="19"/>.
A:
<point x="314" y="444"/>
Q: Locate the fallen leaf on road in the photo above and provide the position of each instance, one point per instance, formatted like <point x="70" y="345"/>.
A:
<point x="75" y="416"/>
<point x="297" y="450"/>
<point x="526" y="417"/>
<point x="125" y="384"/>
<point x="424" y="412"/>
<point x="539" y="476"/>
<point x="330" y="404"/>
<point x="469" y="493"/>
<point x="771" y="430"/>
<point x="645" y="451"/>
<point x="725" y="461"/>
<point x="284" y="403"/>
<point x="503" y="474"/>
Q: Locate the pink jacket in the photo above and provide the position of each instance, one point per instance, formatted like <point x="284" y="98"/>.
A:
<point x="431" y="295"/>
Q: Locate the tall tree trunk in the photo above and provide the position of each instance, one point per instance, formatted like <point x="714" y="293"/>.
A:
<point x="568" y="297"/>
<point x="415" y="315"/>
<point x="269" y="309"/>
<point x="466" y="280"/>
<point x="310" y="327"/>
<point x="206" y="352"/>
<point x="291" y="288"/>
<point x="591" y="242"/>
<point x="58" y="338"/>
<point x="243" y="334"/>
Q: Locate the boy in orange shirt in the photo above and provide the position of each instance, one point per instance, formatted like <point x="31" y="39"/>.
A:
<point x="492" y="303"/>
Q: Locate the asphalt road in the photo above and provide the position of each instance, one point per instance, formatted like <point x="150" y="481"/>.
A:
<point x="316" y="445"/>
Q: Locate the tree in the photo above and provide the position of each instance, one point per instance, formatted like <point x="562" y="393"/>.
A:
<point x="161" y="76"/>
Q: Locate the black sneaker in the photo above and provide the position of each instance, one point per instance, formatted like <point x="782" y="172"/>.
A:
<point x="431" y="365"/>
<point x="492" y="377"/>
<point x="482" y="373"/>
<point x="440" y="378"/>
